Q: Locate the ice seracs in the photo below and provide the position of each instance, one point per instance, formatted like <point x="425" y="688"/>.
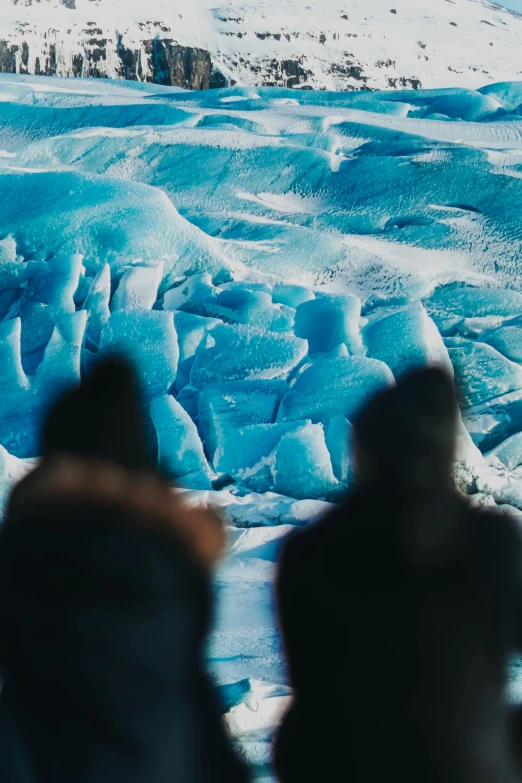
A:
<point x="264" y="294"/>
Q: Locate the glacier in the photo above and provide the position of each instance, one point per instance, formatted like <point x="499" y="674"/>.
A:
<point x="268" y="258"/>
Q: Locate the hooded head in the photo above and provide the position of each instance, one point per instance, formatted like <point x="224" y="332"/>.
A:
<point x="105" y="599"/>
<point x="405" y="436"/>
<point x="101" y="419"/>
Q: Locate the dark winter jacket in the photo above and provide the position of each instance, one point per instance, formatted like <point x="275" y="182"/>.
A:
<point x="105" y="608"/>
<point x="101" y="646"/>
<point x="399" y="612"/>
<point x="399" y="673"/>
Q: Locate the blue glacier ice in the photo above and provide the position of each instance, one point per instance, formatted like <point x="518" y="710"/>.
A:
<point x="339" y="442"/>
<point x="247" y="453"/>
<point x="180" y="451"/>
<point x="97" y="305"/>
<point x="334" y="386"/>
<point x="330" y="320"/>
<point x="224" y="407"/>
<point x="507" y="339"/>
<point x="191" y="330"/>
<point x="481" y="372"/>
<point x="291" y="295"/>
<point x="138" y="288"/>
<point x="508" y="454"/>
<point x="149" y="339"/>
<point x="406" y="339"/>
<point x="269" y="259"/>
<point x="241" y="306"/>
<point x="266" y="257"/>
<point x="240" y="352"/>
<point x="60" y="367"/>
<point x="305" y="445"/>
<point x="449" y="308"/>
<point x="37" y="328"/>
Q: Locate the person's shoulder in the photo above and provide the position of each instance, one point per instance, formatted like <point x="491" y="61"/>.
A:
<point x="314" y="543"/>
<point x="493" y="522"/>
<point x="314" y="534"/>
<point x="497" y="538"/>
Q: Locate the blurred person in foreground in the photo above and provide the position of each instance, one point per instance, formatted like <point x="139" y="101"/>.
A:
<point x="105" y="604"/>
<point x="399" y="611"/>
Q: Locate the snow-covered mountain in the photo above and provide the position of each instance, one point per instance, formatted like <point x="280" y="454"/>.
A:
<point x="320" y="44"/>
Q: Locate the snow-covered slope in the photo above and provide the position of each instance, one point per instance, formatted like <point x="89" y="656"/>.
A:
<point x="332" y="44"/>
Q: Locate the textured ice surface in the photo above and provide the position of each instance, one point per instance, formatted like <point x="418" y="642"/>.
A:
<point x="305" y="445"/>
<point x="328" y="321"/>
<point x="224" y="407"/>
<point x="236" y="352"/>
<point x="406" y="339"/>
<point x="508" y="454"/>
<point x="481" y="372"/>
<point x="507" y="339"/>
<point x="149" y="339"/>
<point x="138" y="288"/>
<point x="180" y="451"/>
<point x="450" y="308"/>
<point x="269" y="259"/>
<point x="334" y="386"/>
<point x="247" y="453"/>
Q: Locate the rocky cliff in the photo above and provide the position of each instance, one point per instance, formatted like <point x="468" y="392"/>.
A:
<point x="200" y="44"/>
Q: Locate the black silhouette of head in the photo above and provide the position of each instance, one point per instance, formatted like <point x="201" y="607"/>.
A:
<point x="405" y="436"/>
<point x="101" y="419"/>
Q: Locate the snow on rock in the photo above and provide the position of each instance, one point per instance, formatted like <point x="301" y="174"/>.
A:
<point x="207" y="44"/>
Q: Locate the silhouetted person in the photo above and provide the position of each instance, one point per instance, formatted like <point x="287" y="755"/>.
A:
<point x="105" y="604"/>
<point x="399" y="611"/>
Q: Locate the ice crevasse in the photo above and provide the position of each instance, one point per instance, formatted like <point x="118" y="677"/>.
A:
<point x="230" y="402"/>
<point x="269" y="259"/>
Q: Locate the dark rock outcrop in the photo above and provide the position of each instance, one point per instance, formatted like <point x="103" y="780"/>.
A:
<point x="182" y="66"/>
<point x="7" y="57"/>
<point x="159" y="60"/>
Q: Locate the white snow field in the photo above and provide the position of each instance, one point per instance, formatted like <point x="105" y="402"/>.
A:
<point x="327" y="44"/>
<point x="269" y="258"/>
